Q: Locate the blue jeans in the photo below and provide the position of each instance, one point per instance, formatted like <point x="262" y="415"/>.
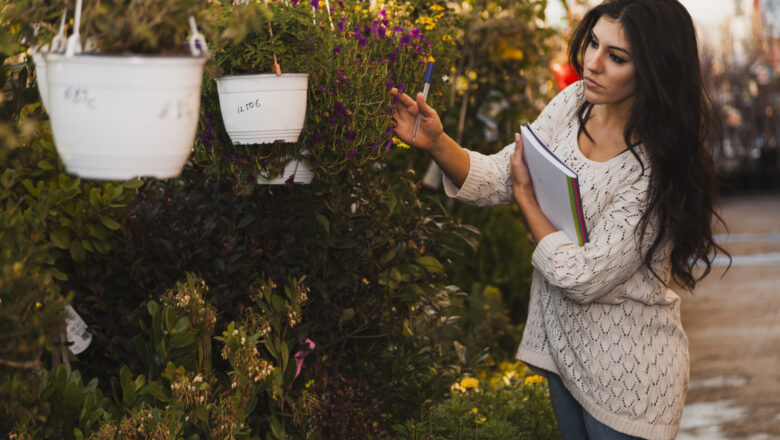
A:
<point x="573" y="421"/>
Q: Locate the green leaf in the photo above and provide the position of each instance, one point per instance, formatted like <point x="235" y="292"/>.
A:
<point x="392" y="201"/>
<point x="109" y="222"/>
<point x="324" y="222"/>
<point x="347" y="314"/>
<point x="202" y="413"/>
<point x="156" y="390"/>
<point x="128" y="386"/>
<point x="184" y="339"/>
<point x="430" y="264"/>
<point x="45" y="165"/>
<point x="77" y="251"/>
<point x="60" y="237"/>
<point x="94" y="197"/>
<point x="133" y="184"/>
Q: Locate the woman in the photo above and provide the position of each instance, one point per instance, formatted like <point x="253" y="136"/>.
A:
<point x="603" y="323"/>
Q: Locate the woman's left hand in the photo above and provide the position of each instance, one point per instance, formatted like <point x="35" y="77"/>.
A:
<point x="522" y="185"/>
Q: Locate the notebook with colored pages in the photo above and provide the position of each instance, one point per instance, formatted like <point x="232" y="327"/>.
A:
<point x="556" y="187"/>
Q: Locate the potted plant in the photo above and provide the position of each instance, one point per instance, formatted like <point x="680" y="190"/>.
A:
<point x="353" y="57"/>
<point x="263" y="58"/>
<point x="129" y="107"/>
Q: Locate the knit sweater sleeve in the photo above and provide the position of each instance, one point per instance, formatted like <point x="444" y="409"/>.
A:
<point x="489" y="181"/>
<point x="598" y="270"/>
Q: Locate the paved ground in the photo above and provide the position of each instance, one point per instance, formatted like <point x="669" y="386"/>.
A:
<point x="733" y="326"/>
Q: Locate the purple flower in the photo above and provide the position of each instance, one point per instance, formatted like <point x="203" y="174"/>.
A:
<point x="294" y="3"/>
<point x="332" y="120"/>
<point x="389" y="144"/>
<point x="339" y="109"/>
<point x="323" y="89"/>
<point x="351" y="154"/>
<point x="337" y="50"/>
<point x="416" y="32"/>
<point x="398" y="30"/>
<point x="401" y="86"/>
<point x="341" y="4"/>
<point x="237" y="159"/>
<point x="389" y="84"/>
<point x="405" y="40"/>
<point x="389" y="109"/>
<point x="341" y="25"/>
<point x="316" y="138"/>
<point x="362" y="42"/>
<point x="376" y="145"/>
<point x="382" y="32"/>
<point x="350" y="135"/>
<point x="392" y="56"/>
<point x="383" y="13"/>
<point x="315" y="4"/>
<point x="290" y="181"/>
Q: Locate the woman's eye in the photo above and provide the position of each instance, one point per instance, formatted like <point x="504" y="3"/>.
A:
<point x="593" y="43"/>
<point x="617" y="59"/>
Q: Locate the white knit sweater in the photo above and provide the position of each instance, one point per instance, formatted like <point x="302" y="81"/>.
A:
<point x="597" y="316"/>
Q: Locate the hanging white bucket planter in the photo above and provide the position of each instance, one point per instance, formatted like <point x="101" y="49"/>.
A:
<point x="300" y="171"/>
<point x="120" y="117"/>
<point x="263" y="108"/>
<point x="40" y="75"/>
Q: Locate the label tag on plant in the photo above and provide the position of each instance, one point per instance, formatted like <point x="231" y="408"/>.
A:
<point x="76" y="330"/>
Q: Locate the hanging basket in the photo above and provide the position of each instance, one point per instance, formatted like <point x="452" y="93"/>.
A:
<point x="120" y="117"/>
<point x="296" y="171"/>
<point x="263" y="108"/>
<point x="124" y="116"/>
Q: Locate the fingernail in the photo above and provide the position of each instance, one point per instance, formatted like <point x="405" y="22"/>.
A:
<point x="517" y="137"/>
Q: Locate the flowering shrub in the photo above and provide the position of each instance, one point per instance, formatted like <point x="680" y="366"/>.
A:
<point x="503" y="404"/>
<point x="353" y="55"/>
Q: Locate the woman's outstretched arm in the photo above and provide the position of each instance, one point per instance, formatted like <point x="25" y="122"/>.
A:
<point x="451" y="157"/>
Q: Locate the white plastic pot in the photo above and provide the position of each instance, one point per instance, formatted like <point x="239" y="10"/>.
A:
<point x="40" y="74"/>
<point x="120" y="117"/>
<point x="263" y="108"/>
<point x="300" y="170"/>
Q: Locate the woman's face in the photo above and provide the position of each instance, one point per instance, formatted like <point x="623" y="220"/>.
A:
<point x="609" y="70"/>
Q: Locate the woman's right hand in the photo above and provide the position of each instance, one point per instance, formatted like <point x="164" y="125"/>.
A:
<point x="430" y="130"/>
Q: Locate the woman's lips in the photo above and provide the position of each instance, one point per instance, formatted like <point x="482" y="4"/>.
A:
<point x="592" y="84"/>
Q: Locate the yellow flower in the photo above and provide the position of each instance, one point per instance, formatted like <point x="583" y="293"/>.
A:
<point x="400" y="143"/>
<point x="358" y="8"/>
<point x="480" y="420"/>
<point x="474" y="410"/>
<point x="469" y="382"/>
<point x="534" y="379"/>
<point x="431" y="59"/>
<point x="482" y="375"/>
<point x="436" y="8"/>
<point x="446" y="37"/>
<point x="505" y="366"/>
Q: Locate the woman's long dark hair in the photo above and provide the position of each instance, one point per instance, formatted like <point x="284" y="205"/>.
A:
<point x="671" y="117"/>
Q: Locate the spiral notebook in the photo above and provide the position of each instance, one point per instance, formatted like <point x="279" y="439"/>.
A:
<point x="556" y="187"/>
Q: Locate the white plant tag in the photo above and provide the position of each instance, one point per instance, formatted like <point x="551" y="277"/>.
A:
<point x="76" y="330"/>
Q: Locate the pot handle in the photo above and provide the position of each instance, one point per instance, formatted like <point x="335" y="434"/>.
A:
<point x="73" y="45"/>
<point x="197" y="41"/>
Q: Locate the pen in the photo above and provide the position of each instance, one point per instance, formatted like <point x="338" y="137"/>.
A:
<point x="428" y="77"/>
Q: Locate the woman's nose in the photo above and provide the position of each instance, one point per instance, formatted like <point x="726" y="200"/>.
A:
<point x="595" y="61"/>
